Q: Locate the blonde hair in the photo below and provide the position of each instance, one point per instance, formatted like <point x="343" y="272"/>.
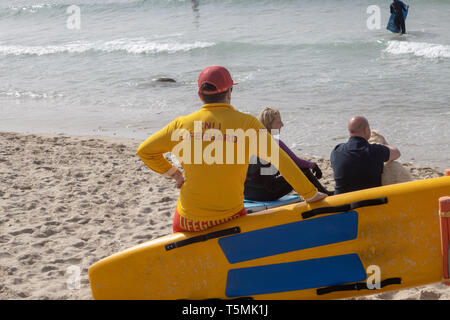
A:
<point x="267" y="116"/>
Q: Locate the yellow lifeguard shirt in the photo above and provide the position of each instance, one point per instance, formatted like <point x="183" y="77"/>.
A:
<point x="214" y="154"/>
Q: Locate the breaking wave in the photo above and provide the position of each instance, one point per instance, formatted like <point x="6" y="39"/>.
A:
<point x="130" y="46"/>
<point x="419" y="49"/>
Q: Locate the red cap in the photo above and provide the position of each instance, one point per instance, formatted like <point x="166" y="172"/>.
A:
<point x="217" y="76"/>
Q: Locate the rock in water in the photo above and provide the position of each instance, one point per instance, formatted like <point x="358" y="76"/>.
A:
<point x="164" y="80"/>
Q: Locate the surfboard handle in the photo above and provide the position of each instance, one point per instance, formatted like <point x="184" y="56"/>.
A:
<point x="345" y="207"/>
<point x="203" y="237"/>
<point x="356" y="286"/>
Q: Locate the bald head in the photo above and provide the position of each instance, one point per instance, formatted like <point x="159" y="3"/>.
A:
<point x="359" y="127"/>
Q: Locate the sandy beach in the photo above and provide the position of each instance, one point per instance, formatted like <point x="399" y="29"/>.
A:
<point x="68" y="201"/>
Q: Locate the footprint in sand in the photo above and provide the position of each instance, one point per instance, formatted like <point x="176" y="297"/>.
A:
<point x="29" y="259"/>
<point x="143" y="237"/>
<point x="46" y="232"/>
<point x="107" y="232"/>
<point x="69" y="261"/>
<point x="52" y="223"/>
<point x="429" y="295"/>
<point x="19" y="232"/>
<point x="40" y="244"/>
<point x="386" y="295"/>
<point x="23" y="295"/>
<point x="78" y="244"/>
<point x="48" y="268"/>
<point x="146" y="210"/>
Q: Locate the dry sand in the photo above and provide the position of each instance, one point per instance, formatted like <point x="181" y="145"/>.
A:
<point x="68" y="201"/>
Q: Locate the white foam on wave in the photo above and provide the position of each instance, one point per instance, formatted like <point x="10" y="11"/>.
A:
<point x="139" y="46"/>
<point x="131" y="46"/>
<point x="32" y="8"/>
<point x="419" y="49"/>
<point x="30" y="94"/>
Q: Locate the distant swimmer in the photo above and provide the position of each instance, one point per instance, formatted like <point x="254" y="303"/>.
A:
<point x="397" y="8"/>
<point x="195" y="5"/>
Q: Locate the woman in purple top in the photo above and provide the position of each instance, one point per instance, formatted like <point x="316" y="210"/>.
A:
<point x="271" y="187"/>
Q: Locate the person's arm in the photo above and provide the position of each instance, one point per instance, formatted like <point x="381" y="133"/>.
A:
<point x="394" y="153"/>
<point x="301" y="163"/>
<point x="152" y="151"/>
<point x="386" y="153"/>
<point x="288" y="169"/>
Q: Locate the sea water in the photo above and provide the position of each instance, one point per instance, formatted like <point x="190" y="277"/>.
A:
<point x="88" y="67"/>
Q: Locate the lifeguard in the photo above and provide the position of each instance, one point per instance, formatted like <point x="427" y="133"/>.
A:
<point x="213" y="193"/>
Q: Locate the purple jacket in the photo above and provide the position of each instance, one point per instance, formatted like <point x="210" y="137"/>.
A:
<point x="299" y="162"/>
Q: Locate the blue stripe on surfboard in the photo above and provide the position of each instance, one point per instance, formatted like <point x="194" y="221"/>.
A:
<point x="298" y="275"/>
<point x="290" y="237"/>
<point x="283" y="200"/>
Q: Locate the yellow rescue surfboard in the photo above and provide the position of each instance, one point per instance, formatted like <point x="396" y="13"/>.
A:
<point x="354" y="244"/>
